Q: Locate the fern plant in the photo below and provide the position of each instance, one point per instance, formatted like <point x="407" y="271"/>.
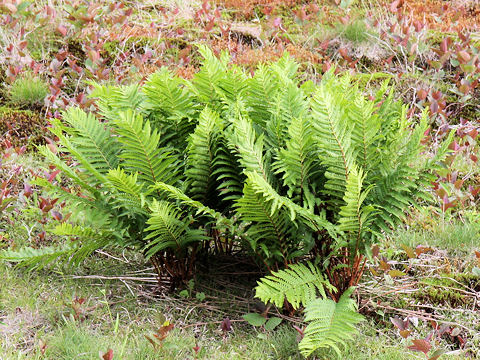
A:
<point x="282" y="171"/>
<point x="330" y="324"/>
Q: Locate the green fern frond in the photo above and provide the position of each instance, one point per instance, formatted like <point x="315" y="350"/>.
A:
<point x="269" y="229"/>
<point x="290" y="103"/>
<point x="111" y="100"/>
<point x="127" y="194"/>
<point x="277" y="202"/>
<point x="140" y="151"/>
<point x="297" y="162"/>
<point x="262" y="89"/>
<point x="330" y="324"/>
<point x="333" y="133"/>
<point x="206" y="82"/>
<point x="168" y="96"/>
<point x="167" y="230"/>
<point x="227" y="171"/>
<point x="354" y="217"/>
<point x="201" y="154"/>
<point x="299" y="284"/>
<point x="174" y="193"/>
<point x="36" y="259"/>
<point x="249" y="146"/>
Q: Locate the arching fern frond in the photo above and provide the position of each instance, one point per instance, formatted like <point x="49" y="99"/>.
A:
<point x="299" y="284"/>
<point x="168" y="96"/>
<point x="114" y="99"/>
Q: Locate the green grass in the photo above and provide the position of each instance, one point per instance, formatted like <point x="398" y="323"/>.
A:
<point x="355" y="31"/>
<point x="454" y="236"/>
<point x="27" y="91"/>
<point x="37" y="307"/>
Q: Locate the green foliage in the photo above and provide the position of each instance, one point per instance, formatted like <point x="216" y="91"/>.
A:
<point x="27" y="92"/>
<point x="282" y="171"/>
<point x="299" y="285"/>
<point x="330" y="324"/>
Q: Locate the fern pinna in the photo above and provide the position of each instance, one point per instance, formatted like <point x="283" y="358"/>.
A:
<point x="229" y="160"/>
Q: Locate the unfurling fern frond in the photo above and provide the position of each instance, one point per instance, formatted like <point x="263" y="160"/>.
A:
<point x="300" y="284"/>
<point x="330" y="324"/>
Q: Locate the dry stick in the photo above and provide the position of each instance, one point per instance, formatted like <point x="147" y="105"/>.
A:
<point x="211" y="322"/>
<point x="142" y="279"/>
<point x="421" y="315"/>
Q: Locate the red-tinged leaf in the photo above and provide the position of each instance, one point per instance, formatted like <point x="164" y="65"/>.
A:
<point x="477" y="254"/>
<point x="300" y="331"/>
<point x="458" y="184"/>
<point x="422" y="94"/>
<point x="420" y="249"/>
<point x="277" y="22"/>
<point x="384" y="265"/>
<point x="375" y="250"/>
<point x="343" y="52"/>
<point x="436" y="354"/>
<point x="62" y="30"/>
<point x="226" y="325"/>
<point x="196" y="348"/>
<point x="444" y="45"/>
<point x="420" y="345"/>
<point x="108" y="355"/>
<point x="405" y="333"/>
<point x="27" y="190"/>
<point x="57" y="216"/>
<point x="52" y="176"/>
<point x="399" y="323"/>
<point x="454" y="146"/>
<point x="10" y="7"/>
<point x="473" y="133"/>
<point x="463" y="56"/>
<point x="345" y="19"/>
<point x="461" y="340"/>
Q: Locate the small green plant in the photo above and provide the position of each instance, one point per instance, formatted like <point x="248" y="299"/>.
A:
<point x="355" y="31"/>
<point x="27" y="91"/>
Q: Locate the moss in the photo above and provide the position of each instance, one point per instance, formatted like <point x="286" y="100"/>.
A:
<point x="445" y="289"/>
<point x="22" y="127"/>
